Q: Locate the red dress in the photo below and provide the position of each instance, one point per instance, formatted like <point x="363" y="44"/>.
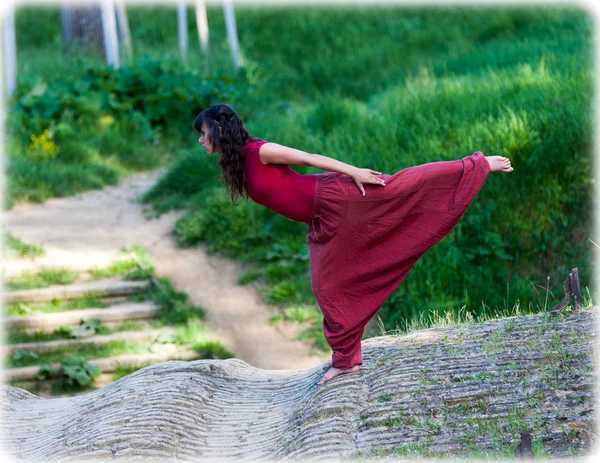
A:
<point x="277" y="186"/>
<point x="362" y="247"/>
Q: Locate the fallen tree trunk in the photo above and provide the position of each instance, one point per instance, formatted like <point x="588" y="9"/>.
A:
<point x="460" y="391"/>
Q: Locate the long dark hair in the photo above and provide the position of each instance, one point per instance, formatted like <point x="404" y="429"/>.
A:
<point x="229" y="145"/>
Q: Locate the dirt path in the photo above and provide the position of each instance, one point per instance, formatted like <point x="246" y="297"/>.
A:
<point x="89" y="229"/>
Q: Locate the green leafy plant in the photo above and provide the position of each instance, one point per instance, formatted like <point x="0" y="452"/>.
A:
<point x="21" y="354"/>
<point x="174" y="304"/>
<point x="99" y="123"/>
<point x="46" y="372"/>
<point x="212" y="350"/>
<point x="76" y="371"/>
<point x="86" y="328"/>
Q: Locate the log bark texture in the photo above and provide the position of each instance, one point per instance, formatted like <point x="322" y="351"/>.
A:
<point x="457" y="391"/>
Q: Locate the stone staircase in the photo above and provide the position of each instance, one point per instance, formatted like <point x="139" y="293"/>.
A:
<point x="112" y="291"/>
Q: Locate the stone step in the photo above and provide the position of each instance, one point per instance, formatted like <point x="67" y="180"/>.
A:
<point x="45" y="389"/>
<point x="49" y="346"/>
<point x="106" y="287"/>
<point x="106" y="364"/>
<point x="110" y="317"/>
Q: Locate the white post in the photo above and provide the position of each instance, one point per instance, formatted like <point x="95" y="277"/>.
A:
<point x="109" y="29"/>
<point x="202" y="24"/>
<point x="182" y="28"/>
<point x="232" y="37"/>
<point x="10" y="49"/>
<point x="123" y="23"/>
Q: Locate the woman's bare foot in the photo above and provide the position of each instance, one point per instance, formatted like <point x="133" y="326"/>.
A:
<point x="499" y="164"/>
<point x="333" y="372"/>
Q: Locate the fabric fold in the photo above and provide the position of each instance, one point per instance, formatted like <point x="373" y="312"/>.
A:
<point x="362" y="247"/>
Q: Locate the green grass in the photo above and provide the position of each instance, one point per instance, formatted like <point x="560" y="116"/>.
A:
<point x="301" y="314"/>
<point x="86" y="125"/>
<point x="133" y="263"/>
<point x="42" y="279"/>
<point x="193" y="335"/>
<point x="501" y="254"/>
<point x="191" y="330"/>
<point x="15" y="247"/>
<point x="19" y="336"/>
<point x="385" y="88"/>
<point x="87" y="351"/>
<point x="54" y="306"/>
<point x="125" y="370"/>
<point x="435" y="319"/>
<point x="212" y="350"/>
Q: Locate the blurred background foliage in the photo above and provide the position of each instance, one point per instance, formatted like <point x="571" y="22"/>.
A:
<point x="384" y="87"/>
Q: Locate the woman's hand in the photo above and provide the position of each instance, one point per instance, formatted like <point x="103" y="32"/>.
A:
<point x="361" y="176"/>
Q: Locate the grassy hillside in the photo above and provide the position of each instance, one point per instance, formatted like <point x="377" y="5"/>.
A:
<point x="386" y="88"/>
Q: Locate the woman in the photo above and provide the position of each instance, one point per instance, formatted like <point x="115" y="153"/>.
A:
<point x="365" y="229"/>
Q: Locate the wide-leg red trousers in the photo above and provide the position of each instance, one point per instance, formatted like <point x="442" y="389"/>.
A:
<point x="362" y="247"/>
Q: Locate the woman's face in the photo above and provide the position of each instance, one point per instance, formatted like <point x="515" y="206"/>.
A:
<point x="205" y="140"/>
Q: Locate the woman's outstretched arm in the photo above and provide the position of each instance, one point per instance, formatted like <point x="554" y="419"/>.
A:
<point x="273" y="153"/>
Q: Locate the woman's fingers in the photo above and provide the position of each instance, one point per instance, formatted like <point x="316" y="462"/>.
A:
<point x="379" y="181"/>
<point x="372" y="178"/>
<point x="360" y="187"/>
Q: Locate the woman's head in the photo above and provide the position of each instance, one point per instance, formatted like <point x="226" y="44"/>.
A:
<point x="222" y="131"/>
<point x="220" y="127"/>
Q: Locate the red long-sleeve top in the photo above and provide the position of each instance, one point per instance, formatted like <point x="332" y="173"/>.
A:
<point x="277" y="186"/>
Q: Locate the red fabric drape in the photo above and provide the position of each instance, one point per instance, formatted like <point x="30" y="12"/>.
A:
<point x="362" y="247"/>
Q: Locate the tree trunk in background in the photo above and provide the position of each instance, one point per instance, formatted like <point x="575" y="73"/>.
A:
<point x="182" y="28"/>
<point x="109" y="26"/>
<point x="10" y="51"/>
<point x="202" y="24"/>
<point x="123" y="26"/>
<point x="232" y="37"/>
<point x="82" y="28"/>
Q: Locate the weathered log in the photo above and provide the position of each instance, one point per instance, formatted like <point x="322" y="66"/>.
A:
<point x="471" y="390"/>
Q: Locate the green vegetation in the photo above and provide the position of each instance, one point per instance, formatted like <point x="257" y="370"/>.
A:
<point x="380" y="87"/>
<point x="77" y="373"/>
<point x="125" y="370"/>
<point x="133" y="263"/>
<point x="86" y="351"/>
<point x="89" y="127"/>
<point x="524" y="93"/>
<point x="14" y="248"/>
<point x="193" y="333"/>
<point x="54" y="306"/>
<point x="42" y="279"/>
<point x="63" y="332"/>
